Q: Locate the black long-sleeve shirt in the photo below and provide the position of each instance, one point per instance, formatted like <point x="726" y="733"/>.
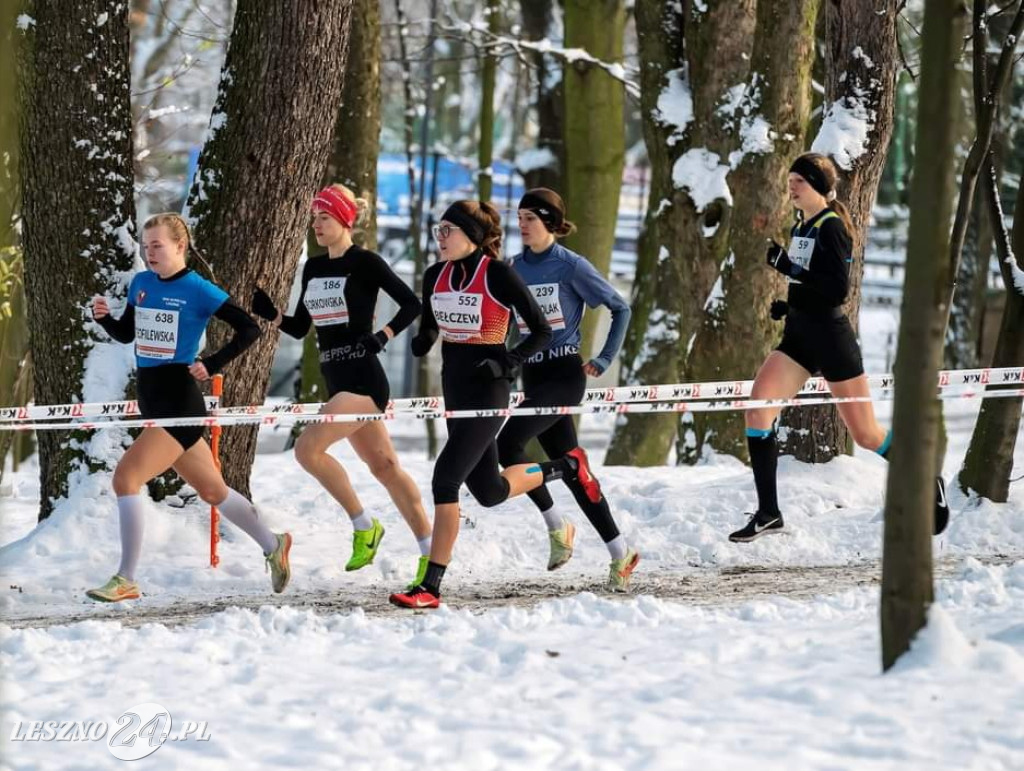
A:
<point x="825" y="282"/>
<point x="506" y="286"/>
<point x="364" y="274"/>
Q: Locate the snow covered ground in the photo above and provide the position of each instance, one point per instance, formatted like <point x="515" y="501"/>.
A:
<point x="562" y="676"/>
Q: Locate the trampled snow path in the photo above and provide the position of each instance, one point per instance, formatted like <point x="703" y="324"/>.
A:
<point x="697" y="587"/>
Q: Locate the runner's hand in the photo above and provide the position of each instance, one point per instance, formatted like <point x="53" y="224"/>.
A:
<point x="198" y="371"/>
<point x="100" y="307"/>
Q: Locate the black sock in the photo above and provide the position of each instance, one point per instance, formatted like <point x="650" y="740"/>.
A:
<point x="764" y="457"/>
<point x="432" y="580"/>
<point x="599" y="514"/>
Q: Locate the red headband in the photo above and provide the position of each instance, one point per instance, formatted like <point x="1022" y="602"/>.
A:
<point x="337" y="204"/>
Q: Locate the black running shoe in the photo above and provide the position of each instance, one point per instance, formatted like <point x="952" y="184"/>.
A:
<point x="941" y="507"/>
<point x="759" y="524"/>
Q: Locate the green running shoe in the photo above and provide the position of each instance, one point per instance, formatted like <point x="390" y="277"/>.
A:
<point x="421" y="573"/>
<point x="561" y="544"/>
<point x="116" y="589"/>
<point x="364" y="546"/>
<point x="277" y="562"/>
<point x="621" y="571"/>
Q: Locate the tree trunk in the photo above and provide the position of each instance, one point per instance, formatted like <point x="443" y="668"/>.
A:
<point x="271" y="136"/>
<point x="861" y="65"/>
<point x="485" y="149"/>
<point x="963" y="338"/>
<point x="737" y="332"/>
<point x="594" y="135"/>
<point x="76" y="161"/>
<point x="353" y="160"/>
<point x="989" y="458"/>
<point x="538" y="24"/>
<point x="686" y="234"/>
<point x="910" y="491"/>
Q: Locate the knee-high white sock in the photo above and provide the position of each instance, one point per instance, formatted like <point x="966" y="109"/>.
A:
<point x="552" y="518"/>
<point x="240" y="512"/>
<point x="424" y="544"/>
<point x="130" y="517"/>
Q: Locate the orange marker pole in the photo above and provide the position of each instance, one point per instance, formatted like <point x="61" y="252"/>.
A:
<point x="217" y="389"/>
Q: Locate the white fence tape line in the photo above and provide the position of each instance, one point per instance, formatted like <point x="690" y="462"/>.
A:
<point x="621" y="394"/>
<point x="286" y="419"/>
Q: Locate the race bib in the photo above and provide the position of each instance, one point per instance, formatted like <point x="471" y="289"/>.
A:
<point x="550" y="305"/>
<point x="459" y="315"/>
<point x="800" y="251"/>
<point x="156" y="333"/>
<point x="325" y="301"/>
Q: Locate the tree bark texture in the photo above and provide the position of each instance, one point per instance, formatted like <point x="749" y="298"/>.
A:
<point x="907" y="590"/>
<point x="538" y="24"/>
<point x="861" y="66"/>
<point x="737" y="333"/>
<point x="683" y="240"/>
<point x="271" y="135"/>
<point x="77" y="200"/>
<point x="989" y="460"/>
<point x="594" y="135"/>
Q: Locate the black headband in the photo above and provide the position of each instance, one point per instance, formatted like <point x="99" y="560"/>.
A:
<point x="466" y="222"/>
<point x="550" y="215"/>
<point x="807" y="169"/>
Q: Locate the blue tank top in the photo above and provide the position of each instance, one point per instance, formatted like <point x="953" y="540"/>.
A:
<point x="171" y="316"/>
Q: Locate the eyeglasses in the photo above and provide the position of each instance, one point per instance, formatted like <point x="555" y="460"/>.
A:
<point x="443" y="231"/>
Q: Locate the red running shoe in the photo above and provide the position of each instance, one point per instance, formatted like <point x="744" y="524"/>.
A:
<point x="416" y="597"/>
<point x="583" y="473"/>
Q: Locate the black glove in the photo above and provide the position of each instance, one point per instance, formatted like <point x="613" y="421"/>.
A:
<point x="374" y="343"/>
<point x="777" y="258"/>
<point x="779" y="309"/>
<point x="502" y="367"/>
<point x="420" y="344"/>
<point x="262" y="305"/>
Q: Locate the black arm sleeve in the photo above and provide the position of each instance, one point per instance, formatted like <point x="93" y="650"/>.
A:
<point x="408" y="303"/>
<point x="425" y="338"/>
<point x="122" y="329"/>
<point x="246" y="333"/>
<point x="298" y="325"/>
<point x="509" y="289"/>
<point x="829" y="276"/>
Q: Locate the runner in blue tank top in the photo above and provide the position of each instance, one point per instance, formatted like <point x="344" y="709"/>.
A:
<point x="564" y="284"/>
<point x="168" y="309"/>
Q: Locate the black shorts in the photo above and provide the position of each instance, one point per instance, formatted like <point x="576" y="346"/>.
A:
<point x="825" y="344"/>
<point x="364" y="376"/>
<point x="170" y="391"/>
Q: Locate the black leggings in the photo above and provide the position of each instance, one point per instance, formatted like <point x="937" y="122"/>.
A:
<point x="170" y="391"/>
<point x="552" y="383"/>
<point x="470" y="455"/>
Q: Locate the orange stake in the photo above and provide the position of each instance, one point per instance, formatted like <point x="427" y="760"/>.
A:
<point x="216" y="389"/>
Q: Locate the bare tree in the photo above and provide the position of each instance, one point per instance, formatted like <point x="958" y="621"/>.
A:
<point x="737" y="332"/>
<point x="861" y="65"/>
<point x="690" y="68"/>
<point x="910" y="492"/>
<point x="271" y="135"/>
<point x="594" y="133"/>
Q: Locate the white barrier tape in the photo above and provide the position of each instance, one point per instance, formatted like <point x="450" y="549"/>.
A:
<point x="83" y="410"/>
<point x="287" y="419"/>
<point x="672" y="392"/>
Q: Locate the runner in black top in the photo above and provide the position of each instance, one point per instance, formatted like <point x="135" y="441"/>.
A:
<point x="339" y="296"/>
<point x="467" y="300"/>
<point x="817" y="338"/>
<point x="168" y="310"/>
